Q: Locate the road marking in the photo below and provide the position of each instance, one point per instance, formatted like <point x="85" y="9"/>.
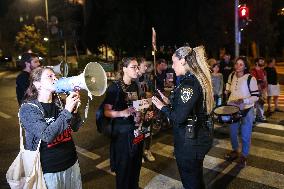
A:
<point x="220" y="165"/>
<point x="151" y="179"/>
<point x="87" y="153"/>
<point x="271" y="126"/>
<point x="3" y="73"/>
<point x="105" y="166"/>
<point x="161" y="181"/>
<point x="257" y="135"/>
<point x="256" y="151"/>
<point x="6" y="116"/>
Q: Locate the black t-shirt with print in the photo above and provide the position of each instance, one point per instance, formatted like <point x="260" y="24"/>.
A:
<point x="126" y="94"/>
<point x="60" y="154"/>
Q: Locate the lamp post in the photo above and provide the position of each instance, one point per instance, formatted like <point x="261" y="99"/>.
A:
<point x="47" y="30"/>
<point x="237" y="32"/>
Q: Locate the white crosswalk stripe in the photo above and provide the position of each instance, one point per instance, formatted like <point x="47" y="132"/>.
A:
<point x="257" y="135"/>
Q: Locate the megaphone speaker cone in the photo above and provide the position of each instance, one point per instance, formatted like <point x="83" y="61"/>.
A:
<point x="95" y="78"/>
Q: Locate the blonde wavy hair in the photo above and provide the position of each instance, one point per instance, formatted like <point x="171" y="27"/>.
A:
<point x="198" y="66"/>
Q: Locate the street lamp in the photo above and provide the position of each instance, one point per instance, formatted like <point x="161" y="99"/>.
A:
<point x="47" y="28"/>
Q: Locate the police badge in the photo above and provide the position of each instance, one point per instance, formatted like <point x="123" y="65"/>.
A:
<point x="186" y="94"/>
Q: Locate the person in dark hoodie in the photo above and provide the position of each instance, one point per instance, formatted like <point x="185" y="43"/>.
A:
<point x="28" y="62"/>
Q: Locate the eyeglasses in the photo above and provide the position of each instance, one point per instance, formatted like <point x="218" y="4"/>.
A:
<point x="134" y="67"/>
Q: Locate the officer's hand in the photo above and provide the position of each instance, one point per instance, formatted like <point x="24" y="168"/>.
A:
<point x="157" y="102"/>
<point x="164" y="98"/>
<point x="71" y="101"/>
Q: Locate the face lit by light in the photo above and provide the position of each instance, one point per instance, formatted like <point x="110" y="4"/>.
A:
<point x="143" y="67"/>
<point x="48" y="80"/>
<point x="240" y="66"/>
<point x="178" y="65"/>
<point x="132" y="69"/>
<point x="34" y="63"/>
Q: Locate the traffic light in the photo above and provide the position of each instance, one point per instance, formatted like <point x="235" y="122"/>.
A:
<point x="243" y="12"/>
<point x="243" y="17"/>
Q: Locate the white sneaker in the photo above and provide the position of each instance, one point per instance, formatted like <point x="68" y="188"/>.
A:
<point x="149" y="156"/>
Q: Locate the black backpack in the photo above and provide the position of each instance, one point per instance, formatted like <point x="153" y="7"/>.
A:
<point x="104" y="124"/>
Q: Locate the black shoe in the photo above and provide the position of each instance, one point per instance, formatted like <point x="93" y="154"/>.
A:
<point x="231" y="156"/>
<point x="269" y="113"/>
<point x="261" y="120"/>
<point x="278" y="110"/>
<point x="242" y="162"/>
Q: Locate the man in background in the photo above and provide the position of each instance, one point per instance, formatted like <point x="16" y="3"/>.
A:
<point x="28" y="62"/>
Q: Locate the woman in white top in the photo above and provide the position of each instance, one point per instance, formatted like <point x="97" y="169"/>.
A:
<point x="243" y="91"/>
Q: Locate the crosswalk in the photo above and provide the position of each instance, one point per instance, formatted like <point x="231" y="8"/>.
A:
<point x="265" y="167"/>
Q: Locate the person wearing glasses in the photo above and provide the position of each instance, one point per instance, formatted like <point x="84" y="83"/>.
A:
<point x="126" y="146"/>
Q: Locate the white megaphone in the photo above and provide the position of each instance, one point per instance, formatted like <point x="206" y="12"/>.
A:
<point x="61" y="68"/>
<point x="93" y="79"/>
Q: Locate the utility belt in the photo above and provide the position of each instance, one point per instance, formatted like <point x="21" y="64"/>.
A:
<point x="193" y="124"/>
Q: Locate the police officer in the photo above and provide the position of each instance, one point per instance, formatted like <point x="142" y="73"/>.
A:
<point x="188" y="109"/>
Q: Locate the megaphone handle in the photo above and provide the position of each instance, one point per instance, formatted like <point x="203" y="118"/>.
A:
<point x="86" y="111"/>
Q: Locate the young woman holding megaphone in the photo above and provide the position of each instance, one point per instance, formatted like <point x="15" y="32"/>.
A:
<point x="47" y="122"/>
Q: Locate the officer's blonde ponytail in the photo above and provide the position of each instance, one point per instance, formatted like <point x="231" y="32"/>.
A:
<point x="198" y="66"/>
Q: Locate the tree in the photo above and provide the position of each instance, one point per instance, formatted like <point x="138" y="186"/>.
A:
<point x="262" y="29"/>
<point x="30" y="39"/>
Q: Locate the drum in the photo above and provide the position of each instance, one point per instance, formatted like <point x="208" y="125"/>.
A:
<point x="227" y="114"/>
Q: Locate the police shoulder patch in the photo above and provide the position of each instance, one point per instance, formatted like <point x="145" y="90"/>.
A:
<point x="186" y="94"/>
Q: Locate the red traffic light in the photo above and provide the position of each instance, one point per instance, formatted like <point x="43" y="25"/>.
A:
<point x="244" y="12"/>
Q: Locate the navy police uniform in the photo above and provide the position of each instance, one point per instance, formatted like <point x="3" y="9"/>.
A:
<point x="125" y="156"/>
<point x="187" y="104"/>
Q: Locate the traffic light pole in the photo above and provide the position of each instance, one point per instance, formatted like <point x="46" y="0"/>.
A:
<point x="237" y="37"/>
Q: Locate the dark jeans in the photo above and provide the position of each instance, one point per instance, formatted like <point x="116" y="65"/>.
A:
<point x="190" y="154"/>
<point x="126" y="160"/>
<point x="191" y="173"/>
<point x="148" y="140"/>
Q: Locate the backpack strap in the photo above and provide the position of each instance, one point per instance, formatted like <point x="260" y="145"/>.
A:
<point x="252" y="93"/>
<point x="117" y="95"/>
<point x="248" y="83"/>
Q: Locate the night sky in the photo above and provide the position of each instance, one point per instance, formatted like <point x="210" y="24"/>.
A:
<point x="127" y="24"/>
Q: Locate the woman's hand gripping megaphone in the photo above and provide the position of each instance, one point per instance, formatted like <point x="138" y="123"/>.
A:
<point x="73" y="102"/>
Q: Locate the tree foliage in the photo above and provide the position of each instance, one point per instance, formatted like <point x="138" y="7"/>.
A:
<point x="262" y="28"/>
<point x="30" y="39"/>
